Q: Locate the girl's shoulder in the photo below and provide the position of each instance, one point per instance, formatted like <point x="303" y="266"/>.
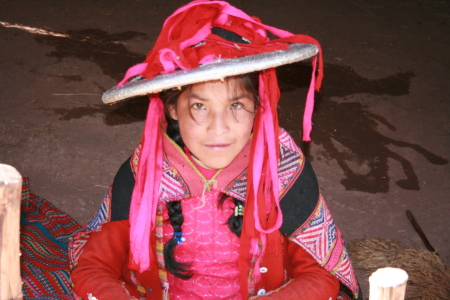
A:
<point x="291" y="162"/>
<point x="287" y="142"/>
<point x="299" y="189"/>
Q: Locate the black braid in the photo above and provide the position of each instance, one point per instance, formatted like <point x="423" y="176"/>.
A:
<point x="235" y="222"/>
<point x="176" y="220"/>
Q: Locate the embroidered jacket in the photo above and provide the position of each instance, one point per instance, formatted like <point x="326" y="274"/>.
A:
<point x="307" y="220"/>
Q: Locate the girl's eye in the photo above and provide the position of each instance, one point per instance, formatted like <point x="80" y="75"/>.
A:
<point x="198" y="106"/>
<point x="237" y="105"/>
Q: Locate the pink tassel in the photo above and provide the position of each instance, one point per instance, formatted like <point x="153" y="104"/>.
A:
<point x="309" y="106"/>
<point x="146" y="191"/>
<point x="254" y="247"/>
<point x="256" y="270"/>
<point x="256" y="276"/>
<point x="265" y="139"/>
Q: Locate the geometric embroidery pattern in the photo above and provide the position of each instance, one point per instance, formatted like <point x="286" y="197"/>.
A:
<point x="287" y="141"/>
<point x="290" y="163"/>
<point x="320" y="237"/>
<point x="44" y="233"/>
<point x="238" y="187"/>
<point x="172" y="185"/>
<point x="289" y="166"/>
<point x="102" y="216"/>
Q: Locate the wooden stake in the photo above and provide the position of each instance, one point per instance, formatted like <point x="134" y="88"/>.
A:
<point x="10" y="195"/>
<point x="388" y="284"/>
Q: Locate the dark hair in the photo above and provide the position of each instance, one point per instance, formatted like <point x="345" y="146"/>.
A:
<point x="176" y="220"/>
<point x="234" y="222"/>
<point x="249" y="82"/>
<point x="170" y="97"/>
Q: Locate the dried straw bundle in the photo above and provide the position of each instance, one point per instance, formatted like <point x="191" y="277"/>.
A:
<point x="429" y="277"/>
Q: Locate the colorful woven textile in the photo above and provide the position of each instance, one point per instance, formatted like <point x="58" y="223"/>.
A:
<point x="44" y="233"/>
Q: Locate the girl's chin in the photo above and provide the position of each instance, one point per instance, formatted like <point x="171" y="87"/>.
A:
<point x="216" y="165"/>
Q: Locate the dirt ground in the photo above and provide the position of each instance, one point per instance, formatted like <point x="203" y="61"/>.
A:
<point x="381" y="126"/>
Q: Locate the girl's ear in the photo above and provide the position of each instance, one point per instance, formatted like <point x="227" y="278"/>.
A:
<point x="172" y="111"/>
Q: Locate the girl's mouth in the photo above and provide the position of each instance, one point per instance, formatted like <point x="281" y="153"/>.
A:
<point x="217" y="146"/>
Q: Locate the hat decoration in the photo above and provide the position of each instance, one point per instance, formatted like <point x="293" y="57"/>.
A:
<point x="191" y="49"/>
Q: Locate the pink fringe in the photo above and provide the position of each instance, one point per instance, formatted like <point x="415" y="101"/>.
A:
<point x="254" y="247"/>
<point x="256" y="270"/>
<point x="265" y="140"/>
<point x="133" y="71"/>
<point x="309" y="106"/>
<point x="146" y="191"/>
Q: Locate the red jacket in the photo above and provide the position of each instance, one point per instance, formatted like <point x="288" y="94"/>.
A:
<point x="315" y="260"/>
<point x="103" y="271"/>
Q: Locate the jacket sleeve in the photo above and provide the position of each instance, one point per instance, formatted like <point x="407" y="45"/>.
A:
<point x="310" y="280"/>
<point x="100" y="267"/>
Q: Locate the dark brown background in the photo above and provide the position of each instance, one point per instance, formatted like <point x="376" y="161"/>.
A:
<point x="381" y="126"/>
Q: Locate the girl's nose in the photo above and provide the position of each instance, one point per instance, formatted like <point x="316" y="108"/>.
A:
<point x="218" y="124"/>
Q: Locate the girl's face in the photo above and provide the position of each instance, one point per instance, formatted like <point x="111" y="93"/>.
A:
<point x="215" y="120"/>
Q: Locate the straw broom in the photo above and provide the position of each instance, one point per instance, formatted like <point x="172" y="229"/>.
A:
<point x="429" y="277"/>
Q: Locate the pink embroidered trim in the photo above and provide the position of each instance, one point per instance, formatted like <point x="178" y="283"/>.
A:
<point x="321" y="238"/>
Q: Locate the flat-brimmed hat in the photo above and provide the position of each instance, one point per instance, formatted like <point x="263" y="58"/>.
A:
<point x="217" y="69"/>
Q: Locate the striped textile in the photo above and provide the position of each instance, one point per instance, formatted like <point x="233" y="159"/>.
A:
<point x="44" y="233"/>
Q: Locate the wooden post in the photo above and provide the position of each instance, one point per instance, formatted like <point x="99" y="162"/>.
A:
<point x="388" y="284"/>
<point x="10" y="195"/>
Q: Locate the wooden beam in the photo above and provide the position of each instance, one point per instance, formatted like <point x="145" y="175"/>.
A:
<point x="10" y="196"/>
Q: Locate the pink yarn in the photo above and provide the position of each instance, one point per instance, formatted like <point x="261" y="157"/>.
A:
<point x="168" y="59"/>
<point x="265" y="141"/>
<point x="256" y="269"/>
<point x="133" y="71"/>
<point x="309" y="106"/>
<point x="266" y="137"/>
<point x="146" y="190"/>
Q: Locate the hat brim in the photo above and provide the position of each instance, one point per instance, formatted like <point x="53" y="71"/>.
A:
<point x="216" y="70"/>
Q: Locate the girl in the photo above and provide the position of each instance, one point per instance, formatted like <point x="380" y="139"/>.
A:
<point x="217" y="201"/>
